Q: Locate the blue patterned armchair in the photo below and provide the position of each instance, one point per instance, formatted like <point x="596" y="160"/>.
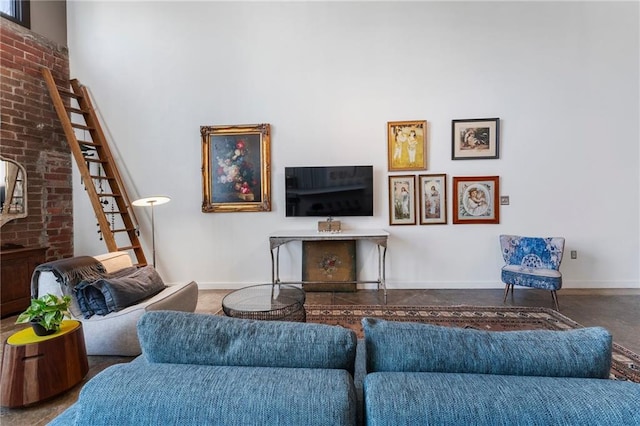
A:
<point x="532" y="262"/>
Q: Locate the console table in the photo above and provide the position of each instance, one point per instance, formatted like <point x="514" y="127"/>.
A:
<point x="378" y="237"/>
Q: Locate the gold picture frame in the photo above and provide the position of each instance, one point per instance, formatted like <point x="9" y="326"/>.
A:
<point x="236" y="168"/>
<point x="407" y="145"/>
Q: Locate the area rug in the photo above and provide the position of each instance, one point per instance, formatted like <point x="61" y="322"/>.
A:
<point x="625" y="363"/>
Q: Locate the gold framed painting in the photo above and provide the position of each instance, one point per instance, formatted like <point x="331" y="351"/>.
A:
<point x="476" y="199"/>
<point x="433" y="199"/>
<point x="236" y="168"/>
<point x="407" y="145"/>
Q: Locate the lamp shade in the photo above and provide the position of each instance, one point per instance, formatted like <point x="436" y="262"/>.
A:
<point x="151" y="201"/>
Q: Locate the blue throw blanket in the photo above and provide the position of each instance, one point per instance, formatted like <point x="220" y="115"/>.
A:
<point x="114" y="292"/>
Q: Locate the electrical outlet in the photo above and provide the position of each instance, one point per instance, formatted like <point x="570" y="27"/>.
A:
<point x="574" y="254"/>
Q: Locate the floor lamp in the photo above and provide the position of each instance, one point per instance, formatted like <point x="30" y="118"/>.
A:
<point x="152" y="201"/>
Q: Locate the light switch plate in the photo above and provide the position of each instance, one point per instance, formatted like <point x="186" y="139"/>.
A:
<point x="504" y="200"/>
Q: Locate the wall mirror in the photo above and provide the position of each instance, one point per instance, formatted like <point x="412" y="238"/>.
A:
<point x="13" y="191"/>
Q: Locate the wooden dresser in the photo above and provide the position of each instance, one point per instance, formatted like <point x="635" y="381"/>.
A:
<point x="17" y="266"/>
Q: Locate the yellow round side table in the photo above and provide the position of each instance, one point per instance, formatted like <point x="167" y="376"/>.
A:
<point x="35" y="368"/>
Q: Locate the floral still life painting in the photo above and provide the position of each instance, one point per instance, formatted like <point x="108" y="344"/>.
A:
<point x="236" y="169"/>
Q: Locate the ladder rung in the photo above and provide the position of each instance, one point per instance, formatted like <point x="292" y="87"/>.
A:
<point x="101" y="177"/>
<point x="89" y="143"/>
<point x="123" y="230"/>
<point x="115" y="212"/>
<point x="128" y="248"/>
<point x="94" y="160"/>
<point x="76" y="110"/>
<point x="81" y="126"/>
<point x="109" y="195"/>
<point x="69" y="93"/>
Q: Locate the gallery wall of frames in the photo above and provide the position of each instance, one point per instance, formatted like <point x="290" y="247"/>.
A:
<point x="421" y="198"/>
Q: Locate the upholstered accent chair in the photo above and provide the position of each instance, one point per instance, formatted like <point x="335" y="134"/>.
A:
<point x="532" y="262"/>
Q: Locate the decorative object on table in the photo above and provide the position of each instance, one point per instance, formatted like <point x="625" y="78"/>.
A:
<point x="402" y="200"/>
<point x="329" y="265"/>
<point x="475" y="139"/>
<point x="407" y="145"/>
<point x="329" y="225"/>
<point x="46" y="314"/>
<point x="236" y="169"/>
<point x="475" y="199"/>
<point x="433" y="199"/>
<point x="532" y="262"/>
<point x="151" y="202"/>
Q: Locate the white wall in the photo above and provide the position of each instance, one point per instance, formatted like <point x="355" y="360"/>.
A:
<point x="328" y="76"/>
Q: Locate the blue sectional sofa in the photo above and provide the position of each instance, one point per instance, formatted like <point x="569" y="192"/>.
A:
<point x="200" y="369"/>
<point x="425" y="374"/>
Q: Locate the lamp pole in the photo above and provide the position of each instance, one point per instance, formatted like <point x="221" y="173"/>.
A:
<point x="152" y="201"/>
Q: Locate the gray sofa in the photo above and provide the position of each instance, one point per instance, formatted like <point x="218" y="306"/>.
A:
<point x="200" y="369"/>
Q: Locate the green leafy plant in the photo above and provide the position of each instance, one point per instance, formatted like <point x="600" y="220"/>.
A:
<point x="48" y="311"/>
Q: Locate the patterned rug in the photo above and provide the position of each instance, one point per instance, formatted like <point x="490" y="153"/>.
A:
<point x="625" y="364"/>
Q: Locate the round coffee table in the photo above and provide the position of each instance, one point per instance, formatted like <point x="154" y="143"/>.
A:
<point x="280" y="302"/>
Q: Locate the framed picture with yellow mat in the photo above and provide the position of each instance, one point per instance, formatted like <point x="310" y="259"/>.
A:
<point x="329" y="265"/>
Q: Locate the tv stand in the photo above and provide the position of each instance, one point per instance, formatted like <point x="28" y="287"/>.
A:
<point x="378" y="237"/>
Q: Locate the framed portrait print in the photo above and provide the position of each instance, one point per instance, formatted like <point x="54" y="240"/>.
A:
<point x="402" y="200"/>
<point x="236" y="170"/>
<point x="433" y="199"/>
<point x="407" y="145"/>
<point x="476" y="199"/>
<point x="475" y="139"/>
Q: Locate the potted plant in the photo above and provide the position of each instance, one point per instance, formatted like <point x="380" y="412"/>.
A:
<point x="46" y="313"/>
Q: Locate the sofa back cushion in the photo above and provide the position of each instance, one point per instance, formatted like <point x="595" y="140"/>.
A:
<point x="415" y="347"/>
<point x="189" y="338"/>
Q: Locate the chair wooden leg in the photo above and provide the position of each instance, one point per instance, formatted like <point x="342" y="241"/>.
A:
<point x="506" y="292"/>
<point x="554" y="296"/>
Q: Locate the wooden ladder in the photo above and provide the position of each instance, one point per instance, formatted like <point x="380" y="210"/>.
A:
<point x="102" y="180"/>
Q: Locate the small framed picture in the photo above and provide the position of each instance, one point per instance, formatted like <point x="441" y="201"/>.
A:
<point x="476" y="199"/>
<point x="407" y="145"/>
<point x="402" y="200"/>
<point x="236" y="170"/>
<point x="433" y="199"/>
<point x="475" y="139"/>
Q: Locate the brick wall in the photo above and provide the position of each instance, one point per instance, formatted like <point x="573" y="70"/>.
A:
<point x="32" y="136"/>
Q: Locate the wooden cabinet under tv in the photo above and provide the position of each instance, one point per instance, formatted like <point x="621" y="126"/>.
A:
<point x="17" y="265"/>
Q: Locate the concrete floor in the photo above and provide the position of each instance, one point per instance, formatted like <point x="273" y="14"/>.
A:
<point x="618" y="310"/>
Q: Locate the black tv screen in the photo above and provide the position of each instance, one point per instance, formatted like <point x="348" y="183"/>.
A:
<point x="329" y="191"/>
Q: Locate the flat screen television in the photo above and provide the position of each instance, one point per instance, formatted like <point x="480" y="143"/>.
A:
<point x="329" y="191"/>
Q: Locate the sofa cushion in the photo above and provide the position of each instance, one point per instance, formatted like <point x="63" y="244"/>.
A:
<point x="396" y="399"/>
<point x="173" y="394"/>
<point x="188" y="338"/>
<point x="415" y="347"/>
<point x="118" y="290"/>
